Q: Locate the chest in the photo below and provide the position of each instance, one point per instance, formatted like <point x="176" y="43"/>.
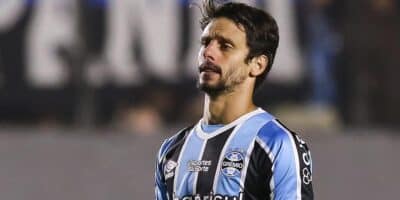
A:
<point x="208" y="166"/>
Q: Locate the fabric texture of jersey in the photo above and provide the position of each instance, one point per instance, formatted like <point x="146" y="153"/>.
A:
<point x="252" y="158"/>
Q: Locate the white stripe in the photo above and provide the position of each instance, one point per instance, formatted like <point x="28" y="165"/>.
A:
<point x="296" y="158"/>
<point x="272" y="158"/>
<point x="179" y="161"/>
<point x="217" y="173"/>
<point x="196" y="176"/>
<point x="246" y="165"/>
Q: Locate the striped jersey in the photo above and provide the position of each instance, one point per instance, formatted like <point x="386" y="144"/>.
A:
<point x="254" y="157"/>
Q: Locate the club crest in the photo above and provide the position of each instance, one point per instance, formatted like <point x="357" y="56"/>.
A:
<point x="233" y="163"/>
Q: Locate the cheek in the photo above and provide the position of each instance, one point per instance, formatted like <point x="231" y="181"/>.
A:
<point x="237" y="67"/>
<point x="235" y="61"/>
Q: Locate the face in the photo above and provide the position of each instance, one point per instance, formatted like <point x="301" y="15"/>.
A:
<point x="222" y="57"/>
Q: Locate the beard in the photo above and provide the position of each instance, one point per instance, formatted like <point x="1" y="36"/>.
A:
<point x="226" y="84"/>
<point x="212" y="90"/>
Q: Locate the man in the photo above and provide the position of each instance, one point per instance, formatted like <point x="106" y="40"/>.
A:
<point x="236" y="151"/>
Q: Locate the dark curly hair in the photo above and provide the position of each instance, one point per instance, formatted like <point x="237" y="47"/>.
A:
<point x="261" y="30"/>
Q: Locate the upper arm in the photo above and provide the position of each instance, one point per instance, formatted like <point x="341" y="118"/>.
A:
<point x="292" y="169"/>
<point x="161" y="192"/>
<point x="291" y="163"/>
<point x="160" y="187"/>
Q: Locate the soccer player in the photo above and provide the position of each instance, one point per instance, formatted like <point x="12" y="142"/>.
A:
<point x="236" y="151"/>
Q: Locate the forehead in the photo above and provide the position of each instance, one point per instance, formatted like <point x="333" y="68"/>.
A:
<point x="226" y="28"/>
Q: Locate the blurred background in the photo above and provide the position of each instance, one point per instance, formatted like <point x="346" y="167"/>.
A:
<point x="90" y="88"/>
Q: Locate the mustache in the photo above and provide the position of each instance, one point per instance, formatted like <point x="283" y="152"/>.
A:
<point x="209" y="66"/>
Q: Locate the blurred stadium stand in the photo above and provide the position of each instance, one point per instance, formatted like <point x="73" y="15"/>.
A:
<point x="93" y="62"/>
<point x="82" y="82"/>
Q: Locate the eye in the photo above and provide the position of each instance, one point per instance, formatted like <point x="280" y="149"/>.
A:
<point x="205" y="42"/>
<point x="225" y="46"/>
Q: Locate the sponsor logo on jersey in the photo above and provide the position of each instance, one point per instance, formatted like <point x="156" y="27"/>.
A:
<point x="210" y="196"/>
<point x="169" y="169"/>
<point x="233" y="163"/>
<point x="199" y="165"/>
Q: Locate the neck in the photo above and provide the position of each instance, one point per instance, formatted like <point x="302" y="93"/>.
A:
<point x="227" y="107"/>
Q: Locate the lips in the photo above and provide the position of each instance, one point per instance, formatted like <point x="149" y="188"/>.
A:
<point x="209" y="67"/>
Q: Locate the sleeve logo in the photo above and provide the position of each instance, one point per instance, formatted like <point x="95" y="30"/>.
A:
<point x="169" y="169"/>
<point x="306" y="158"/>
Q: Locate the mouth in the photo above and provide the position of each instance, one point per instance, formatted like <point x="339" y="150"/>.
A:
<point x="209" y="67"/>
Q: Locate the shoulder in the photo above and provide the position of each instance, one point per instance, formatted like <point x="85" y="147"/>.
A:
<point x="172" y="141"/>
<point x="276" y="136"/>
<point x="274" y="130"/>
<point x="290" y="158"/>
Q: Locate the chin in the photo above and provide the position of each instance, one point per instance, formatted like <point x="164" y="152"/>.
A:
<point x="210" y="88"/>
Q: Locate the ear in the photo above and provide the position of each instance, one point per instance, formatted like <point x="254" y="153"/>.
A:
<point x="258" y="65"/>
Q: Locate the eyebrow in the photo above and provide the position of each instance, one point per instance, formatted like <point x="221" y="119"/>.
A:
<point x="220" y="39"/>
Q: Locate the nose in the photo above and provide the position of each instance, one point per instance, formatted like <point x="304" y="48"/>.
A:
<point x="210" y="51"/>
